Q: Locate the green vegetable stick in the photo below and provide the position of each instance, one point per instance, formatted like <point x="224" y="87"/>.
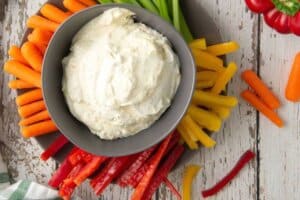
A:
<point x="163" y="10"/>
<point x="176" y="17"/>
<point x="134" y="2"/>
<point x="186" y="33"/>
<point x="156" y="3"/>
<point x="105" y="1"/>
<point x="147" y="4"/>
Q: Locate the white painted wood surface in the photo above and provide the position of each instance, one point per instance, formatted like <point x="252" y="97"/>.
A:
<point x="274" y="176"/>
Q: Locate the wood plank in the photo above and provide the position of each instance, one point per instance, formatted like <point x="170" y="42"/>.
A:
<point x="239" y="132"/>
<point x="279" y="148"/>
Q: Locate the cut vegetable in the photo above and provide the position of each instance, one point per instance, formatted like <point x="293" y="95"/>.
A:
<point x="41" y="47"/>
<point x="208" y="61"/>
<point x="210" y="100"/>
<point x="205" y="118"/>
<point x="30" y="109"/>
<point x="19" y="84"/>
<point x="260" y="88"/>
<point x="38" y="129"/>
<point x="292" y="92"/>
<point x="205" y="84"/>
<point x="23" y="72"/>
<point x="172" y="188"/>
<point x="32" y="55"/>
<point x="221" y="111"/>
<point x="260" y="106"/>
<point x="36" y="21"/>
<point x="199" y="44"/>
<point x="223" y="48"/>
<point x="189" y="173"/>
<point x="29" y="97"/>
<point x="53" y="13"/>
<point x="88" y="2"/>
<point x="186" y="137"/>
<point x="176" y="17"/>
<point x="54" y="147"/>
<point x="207" y="76"/>
<point x="41" y="116"/>
<point x="224" y="78"/>
<point x="149" y="6"/>
<point x="39" y="36"/>
<point x="15" y="53"/>
<point x="74" y="6"/>
<point x="245" y="158"/>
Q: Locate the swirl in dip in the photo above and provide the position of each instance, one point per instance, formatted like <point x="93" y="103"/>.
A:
<point x="120" y="76"/>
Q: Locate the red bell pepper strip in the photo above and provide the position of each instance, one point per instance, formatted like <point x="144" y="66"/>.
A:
<point x="143" y="184"/>
<point x="80" y="155"/>
<point x="112" y="170"/>
<point x="142" y="170"/>
<point x="66" y="191"/>
<point x="172" y="188"/>
<point x="259" y="6"/>
<point x="134" y="167"/>
<point x="89" y="169"/>
<point x="245" y="158"/>
<point x="163" y="171"/>
<point x="62" y="172"/>
<point x="54" y="147"/>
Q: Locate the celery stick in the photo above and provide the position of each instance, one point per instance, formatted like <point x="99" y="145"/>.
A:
<point x="163" y="10"/>
<point x="147" y="4"/>
<point x="156" y="3"/>
<point x="105" y="1"/>
<point x="186" y="33"/>
<point x="176" y="17"/>
<point x="134" y="2"/>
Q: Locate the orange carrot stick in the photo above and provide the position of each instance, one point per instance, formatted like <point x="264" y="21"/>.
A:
<point x="74" y="6"/>
<point x="15" y="53"/>
<point x="53" y="13"/>
<point x="23" y="72"/>
<point x="36" y="21"/>
<point x="261" y="89"/>
<point x="19" y="84"/>
<point x="37" y="129"/>
<point x="88" y="2"/>
<point x="39" y="36"/>
<point x="41" y="47"/>
<point x="292" y="91"/>
<point x="29" y="97"/>
<point x="41" y="116"/>
<point x="32" y="55"/>
<point x="30" y="109"/>
<point x="261" y="107"/>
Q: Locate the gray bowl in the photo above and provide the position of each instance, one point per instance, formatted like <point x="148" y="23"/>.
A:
<point x="77" y="132"/>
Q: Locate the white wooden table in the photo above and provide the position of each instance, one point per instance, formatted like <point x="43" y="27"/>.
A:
<point x="275" y="174"/>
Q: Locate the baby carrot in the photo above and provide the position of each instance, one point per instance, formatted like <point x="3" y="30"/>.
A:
<point x="292" y="91"/>
<point x="32" y="55"/>
<point x="74" y="6"/>
<point x="53" y="13"/>
<point x="88" y="2"/>
<point x="36" y="21"/>
<point x="30" y="109"/>
<point x="37" y="129"/>
<point x="39" y="36"/>
<point x="29" y="97"/>
<point x="23" y="72"/>
<point x="41" y="47"/>
<point x="224" y="78"/>
<point x="19" y="84"/>
<point x="260" y="106"/>
<point x="15" y="53"/>
<point x="41" y="116"/>
<point x="260" y="88"/>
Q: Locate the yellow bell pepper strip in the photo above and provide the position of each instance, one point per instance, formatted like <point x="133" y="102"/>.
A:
<point x="184" y="129"/>
<point x="224" y="78"/>
<point x="207" y="61"/>
<point x="221" y="111"/>
<point x="189" y="173"/>
<point x="193" y="128"/>
<point x="223" y="48"/>
<point x="198" y="44"/>
<point x="205" y="84"/>
<point x="210" y="100"/>
<point x="204" y="118"/>
<point x="207" y="75"/>
<point x="187" y="139"/>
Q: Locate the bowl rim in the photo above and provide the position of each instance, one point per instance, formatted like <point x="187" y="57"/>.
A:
<point x="184" y="48"/>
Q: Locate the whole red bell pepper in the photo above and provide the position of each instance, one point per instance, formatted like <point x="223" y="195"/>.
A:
<point x="282" y="15"/>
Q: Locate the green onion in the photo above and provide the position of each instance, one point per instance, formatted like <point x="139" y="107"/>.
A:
<point x="147" y="4"/>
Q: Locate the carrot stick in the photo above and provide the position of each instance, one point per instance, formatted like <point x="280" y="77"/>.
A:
<point x="29" y="97"/>
<point x="292" y="91"/>
<point x="39" y="36"/>
<point x="41" y="47"/>
<point x="19" y="84"/>
<point x="88" y="2"/>
<point x="41" y="116"/>
<point x="15" y="53"/>
<point x="23" y="72"/>
<point x="32" y="55"/>
<point x="74" y="6"/>
<point x="30" y="109"/>
<point x="53" y="13"/>
<point x="39" y="129"/>
<point x="260" y="106"/>
<point x="36" y="21"/>
<point x="260" y="88"/>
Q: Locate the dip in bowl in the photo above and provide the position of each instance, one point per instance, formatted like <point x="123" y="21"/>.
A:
<point x="142" y="96"/>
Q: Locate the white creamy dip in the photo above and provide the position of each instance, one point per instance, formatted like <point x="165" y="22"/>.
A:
<point x="120" y="76"/>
